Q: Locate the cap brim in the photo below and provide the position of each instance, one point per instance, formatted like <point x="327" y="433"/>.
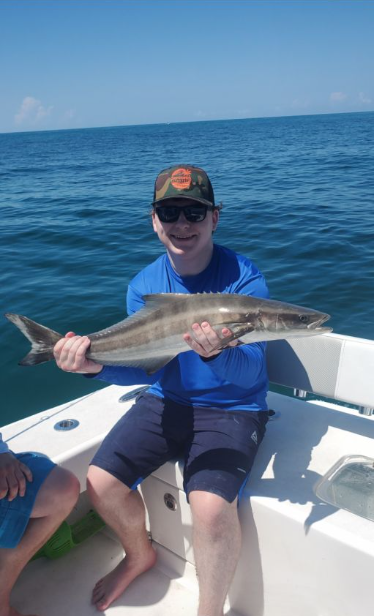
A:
<point x="174" y="197"/>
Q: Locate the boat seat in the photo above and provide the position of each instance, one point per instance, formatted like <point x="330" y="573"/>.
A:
<point x="334" y="366"/>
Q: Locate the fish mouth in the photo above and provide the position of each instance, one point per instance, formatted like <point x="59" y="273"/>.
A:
<point x="316" y="325"/>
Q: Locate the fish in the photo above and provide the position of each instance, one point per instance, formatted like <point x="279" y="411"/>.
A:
<point x="153" y="336"/>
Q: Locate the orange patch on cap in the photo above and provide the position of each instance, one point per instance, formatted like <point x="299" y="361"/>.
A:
<point x="181" y="179"/>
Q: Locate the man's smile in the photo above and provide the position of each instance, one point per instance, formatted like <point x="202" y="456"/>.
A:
<point x="183" y="237"/>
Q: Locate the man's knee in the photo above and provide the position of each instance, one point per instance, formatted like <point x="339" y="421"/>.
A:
<point x="58" y="494"/>
<point x="211" y="511"/>
<point x="66" y="487"/>
<point x="101" y="485"/>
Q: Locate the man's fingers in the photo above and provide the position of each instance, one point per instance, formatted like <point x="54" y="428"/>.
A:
<point x="61" y="344"/>
<point x="77" y="354"/>
<point x="22" y="473"/>
<point x="26" y="471"/>
<point x="205" y="335"/>
<point x="21" y="479"/>
<point x="70" y="352"/>
<point x="13" y="486"/>
<point x="206" y="341"/>
<point x="13" y="478"/>
<point x="203" y="340"/>
<point x="227" y="333"/>
<point x="3" y="487"/>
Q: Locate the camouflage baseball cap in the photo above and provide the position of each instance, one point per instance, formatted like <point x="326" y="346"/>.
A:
<point x="183" y="181"/>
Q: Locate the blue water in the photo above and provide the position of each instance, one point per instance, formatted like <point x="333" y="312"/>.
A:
<point x="75" y="225"/>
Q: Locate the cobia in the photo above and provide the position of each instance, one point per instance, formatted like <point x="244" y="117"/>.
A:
<point x="153" y="336"/>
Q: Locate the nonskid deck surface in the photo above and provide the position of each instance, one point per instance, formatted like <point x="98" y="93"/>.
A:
<point x="63" y="587"/>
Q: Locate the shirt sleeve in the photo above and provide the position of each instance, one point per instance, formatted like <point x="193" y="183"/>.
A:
<point x="3" y="446"/>
<point x="134" y="300"/>
<point x="124" y="375"/>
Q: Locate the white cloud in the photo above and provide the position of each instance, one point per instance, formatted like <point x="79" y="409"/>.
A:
<point x="365" y="100"/>
<point x="32" y="112"/>
<point x="337" y="97"/>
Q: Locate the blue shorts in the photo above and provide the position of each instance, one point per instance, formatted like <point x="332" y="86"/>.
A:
<point x="218" y="446"/>
<point x="15" y="514"/>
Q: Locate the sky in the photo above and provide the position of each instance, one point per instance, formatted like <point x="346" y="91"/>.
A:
<point x="91" y="63"/>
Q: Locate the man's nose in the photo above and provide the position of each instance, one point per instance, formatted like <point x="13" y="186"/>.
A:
<point x="182" y="219"/>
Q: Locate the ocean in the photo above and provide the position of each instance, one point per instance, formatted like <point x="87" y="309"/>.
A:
<point x="297" y="197"/>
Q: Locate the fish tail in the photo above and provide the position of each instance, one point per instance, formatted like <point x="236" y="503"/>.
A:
<point x="42" y="339"/>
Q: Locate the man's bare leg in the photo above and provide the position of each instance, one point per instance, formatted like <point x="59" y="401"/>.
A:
<point x="216" y="543"/>
<point x="55" y="499"/>
<point x="123" y="510"/>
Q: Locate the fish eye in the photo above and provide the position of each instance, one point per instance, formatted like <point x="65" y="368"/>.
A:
<point x="304" y="318"/>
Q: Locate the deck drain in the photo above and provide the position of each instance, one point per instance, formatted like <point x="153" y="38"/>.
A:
<point x="66" y="424"/>
<point x="170" y="502"/>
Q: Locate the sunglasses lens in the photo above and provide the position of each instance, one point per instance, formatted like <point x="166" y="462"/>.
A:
<point x="167" y="213"/>
<point x="193" y="213"/>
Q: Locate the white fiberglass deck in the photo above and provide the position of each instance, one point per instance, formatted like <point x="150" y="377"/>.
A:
<point x="63" y="587"/>
<point x="300" y="557"/>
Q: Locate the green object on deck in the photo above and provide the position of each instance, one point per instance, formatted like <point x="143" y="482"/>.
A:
<point x="67" y="536"/>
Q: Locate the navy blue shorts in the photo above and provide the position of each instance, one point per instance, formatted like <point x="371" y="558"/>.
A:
<point x="15" y="514"/>
<point x="218" y="446"/>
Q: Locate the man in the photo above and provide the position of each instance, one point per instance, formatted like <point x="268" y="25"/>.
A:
<point x="206" y="404"/>
<point x="35" y="497"/>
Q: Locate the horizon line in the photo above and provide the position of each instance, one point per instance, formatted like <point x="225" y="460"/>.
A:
<point x="300" y="115"/>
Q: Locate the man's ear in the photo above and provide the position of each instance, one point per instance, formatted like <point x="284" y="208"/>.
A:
<point x="153" y="214"/>
<point x="215" y="216"/>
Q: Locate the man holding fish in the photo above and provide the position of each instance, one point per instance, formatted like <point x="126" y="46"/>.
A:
<point x="208" y="404"/>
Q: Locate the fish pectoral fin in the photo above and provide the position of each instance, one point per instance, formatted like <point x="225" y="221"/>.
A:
<point x="237" y="330"/>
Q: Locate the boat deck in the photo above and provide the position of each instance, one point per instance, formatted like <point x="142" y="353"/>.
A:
<point x="299" y="555"/>
<point x="72" y="577"/>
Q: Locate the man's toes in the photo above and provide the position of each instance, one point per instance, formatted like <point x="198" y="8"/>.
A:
<point x="98" y="594"/>
<point x="101" y="605"/>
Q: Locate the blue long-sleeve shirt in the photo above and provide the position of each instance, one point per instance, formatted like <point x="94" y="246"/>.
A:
<point x="236" y="379"/>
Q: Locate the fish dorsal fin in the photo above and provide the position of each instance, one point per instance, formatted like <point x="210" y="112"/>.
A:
<point x="158" y="300"/>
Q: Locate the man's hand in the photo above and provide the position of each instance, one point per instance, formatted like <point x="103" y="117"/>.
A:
<point x="70" y="355"/>
<point x="205" y="339"/>
<point x="13" y="475"/>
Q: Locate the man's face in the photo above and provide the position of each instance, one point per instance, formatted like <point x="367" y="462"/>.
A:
<point x="182" y="237"/>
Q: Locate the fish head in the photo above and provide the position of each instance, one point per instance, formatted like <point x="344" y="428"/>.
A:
<point x="292" y="320"/>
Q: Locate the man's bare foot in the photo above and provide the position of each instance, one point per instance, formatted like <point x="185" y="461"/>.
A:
<point x="110" y="587"/>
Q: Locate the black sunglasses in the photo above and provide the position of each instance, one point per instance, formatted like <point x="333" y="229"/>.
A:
<point x="192" y="213"/>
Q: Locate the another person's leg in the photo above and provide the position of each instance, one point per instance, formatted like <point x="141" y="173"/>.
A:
<point x="219" y="461"/>
<point x="137" y="445"/>
<point x="57" y="493"/>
